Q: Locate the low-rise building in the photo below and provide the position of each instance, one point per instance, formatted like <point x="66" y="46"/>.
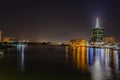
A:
<point x="110" y="40"/>
<point x="9" y="39"/>
<point x="78" y="42"/>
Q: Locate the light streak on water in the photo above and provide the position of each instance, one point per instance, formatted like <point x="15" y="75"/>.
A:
<point x="87" y="51"/>
<point x="78" y="58"/>
<point x="91" y="55"/>
<point x="66" y="55"/>
<point x="22" y="59"/>
<point x="116" y="61"/>
<point x="20" y="49"/>
<point x="102" y="57"/>
<point x="100" y="62"/>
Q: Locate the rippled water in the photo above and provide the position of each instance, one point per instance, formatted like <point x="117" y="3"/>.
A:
<point x="59" y="63"/>
<point x="102" y="64"/>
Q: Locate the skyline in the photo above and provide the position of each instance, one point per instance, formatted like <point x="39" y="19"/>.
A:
<point x="58" y="20"/>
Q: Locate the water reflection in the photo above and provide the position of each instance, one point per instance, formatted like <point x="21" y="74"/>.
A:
<point x="66" y="55"/>
<point x="79" y="57"/>
<point x="101" y="63"/>
<point x="20" y="49"/>
<point x="91" y="56"/>
<point x="1" y="54"/>
<point x="97" y="68"/>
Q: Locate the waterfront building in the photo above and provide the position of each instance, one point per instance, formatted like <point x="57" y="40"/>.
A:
<point x="110" y="40"/>
<point x="78" y="42"/>
<point x="97" y="34"/>
<point x="9" y="39"/>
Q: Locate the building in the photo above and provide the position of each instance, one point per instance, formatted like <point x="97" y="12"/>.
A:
<point x="78" y="42"/>
<point x="110" y="40"/>
<point x="97" y="34"/>
<point x="9" y="39"/>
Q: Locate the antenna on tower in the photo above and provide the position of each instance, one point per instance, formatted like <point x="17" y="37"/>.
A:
<point x="97" y="23"/>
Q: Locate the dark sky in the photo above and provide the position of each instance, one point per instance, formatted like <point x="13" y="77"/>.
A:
<point x="58" y="20"/>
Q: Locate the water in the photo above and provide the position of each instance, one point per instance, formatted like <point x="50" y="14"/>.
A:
<point x="59" y="63"/>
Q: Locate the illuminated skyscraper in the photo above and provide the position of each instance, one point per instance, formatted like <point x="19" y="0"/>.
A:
<point x="97" y="33"/>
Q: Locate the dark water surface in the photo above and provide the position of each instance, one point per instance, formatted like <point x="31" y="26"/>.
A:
<point x="59" y="63"/>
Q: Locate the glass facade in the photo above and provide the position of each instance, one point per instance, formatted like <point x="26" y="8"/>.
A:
<point x="97" y="34"/>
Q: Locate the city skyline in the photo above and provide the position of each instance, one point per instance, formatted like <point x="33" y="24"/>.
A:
<point x="58" y="20"/>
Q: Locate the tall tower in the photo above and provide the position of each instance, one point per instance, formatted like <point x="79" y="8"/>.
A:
<point x="97" y="33"/>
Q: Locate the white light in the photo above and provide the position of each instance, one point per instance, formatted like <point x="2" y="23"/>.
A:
<point x="97" y="23"/>
<point x="22" y="59"/>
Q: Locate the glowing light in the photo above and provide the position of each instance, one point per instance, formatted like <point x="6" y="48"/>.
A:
<point x="22" y="59"/>
<point x="87" y="52"/>
<point x="74" y="54"/>
<point x="102" y="57"/>
<point x="79" y="42"/>
<point x="107" y="56"/>
<point x="78" y="58"/>
<point x="96" y="71"/>
<point x="97" y="23"/>
<point x="116" y="61"/>
<point x="66" y="55"/>
<point x="91" y="54"/>
<point x="83" y="64"/>
<point x="20" y="48"/>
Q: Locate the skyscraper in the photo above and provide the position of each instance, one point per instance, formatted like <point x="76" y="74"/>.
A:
<point x="97" y="33"/>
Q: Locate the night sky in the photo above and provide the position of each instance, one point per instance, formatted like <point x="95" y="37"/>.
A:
<point x="58" y="20"/>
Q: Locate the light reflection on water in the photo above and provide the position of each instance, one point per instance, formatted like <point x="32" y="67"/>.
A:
<point x="60" y="63"/>
<point x="101" y="63"/>
<point x="20" y="49"/>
